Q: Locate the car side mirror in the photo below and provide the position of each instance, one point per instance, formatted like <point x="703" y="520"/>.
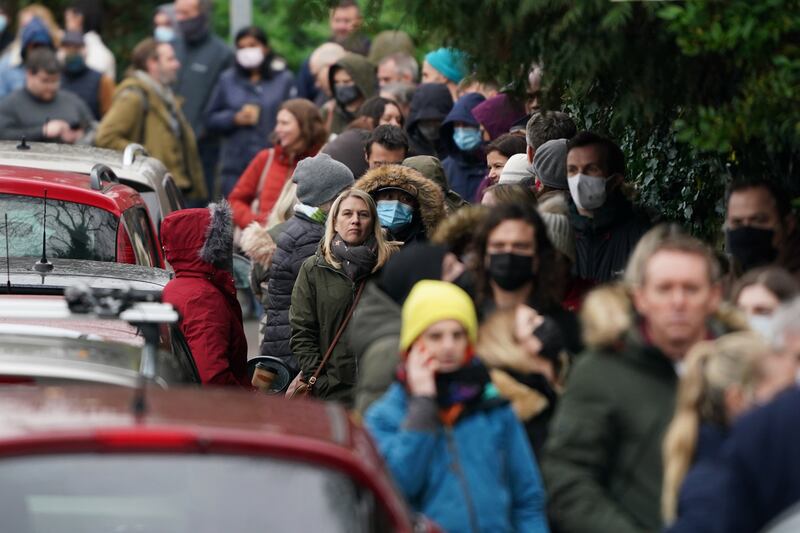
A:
<point x="268" y="374"/>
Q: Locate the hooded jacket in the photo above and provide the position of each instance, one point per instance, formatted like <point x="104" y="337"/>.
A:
<point x="464" y="170"/>
<point x="432" y="168"/>
<point x="233" y="90"/>
<point x="602" y="459"/>
<point x="364" y="75"/>
<point x="198" y="243"/>
<point x="431" y="101"/>
<point x="498" y="114"/>
<point x="430" y="199"/>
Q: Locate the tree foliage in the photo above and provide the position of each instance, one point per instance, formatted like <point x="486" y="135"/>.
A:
<point x="692" y="90"/>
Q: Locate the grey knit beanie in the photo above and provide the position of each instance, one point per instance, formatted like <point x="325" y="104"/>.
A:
<point x="320" y="179"/>
<point x="550" y="164"/>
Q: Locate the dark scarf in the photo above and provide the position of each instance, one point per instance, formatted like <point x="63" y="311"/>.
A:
<point x="357" y="261"/>
<point x="461" y="392"/>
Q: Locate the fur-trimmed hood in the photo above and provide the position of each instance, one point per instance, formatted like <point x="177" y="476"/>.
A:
<point x="429" y="194"/>
<point x="457" y="230"/>
<point x="199" y="240"/>
<point x="608" y="317"/>
<point x="258" y="244"/>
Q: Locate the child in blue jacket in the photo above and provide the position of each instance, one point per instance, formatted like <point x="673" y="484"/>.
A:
<point x="454" y="447"/>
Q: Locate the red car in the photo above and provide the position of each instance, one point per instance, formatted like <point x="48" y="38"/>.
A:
<point x="82" y="460"/>
<point x="88" y="217"/>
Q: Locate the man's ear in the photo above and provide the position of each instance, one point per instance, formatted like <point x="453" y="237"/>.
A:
<point x="530" y="151"/>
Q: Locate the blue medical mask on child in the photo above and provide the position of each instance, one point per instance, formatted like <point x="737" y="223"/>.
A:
<point x="394" y="214"/>
<point x="467" y="138"/>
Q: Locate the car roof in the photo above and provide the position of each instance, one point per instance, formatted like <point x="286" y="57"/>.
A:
<point x="26" y="411"/>
<point x="81" y="419"/>
<point x="73" y="272"/>
<point x="67" y="186"/>
<point x="140" y="174"/>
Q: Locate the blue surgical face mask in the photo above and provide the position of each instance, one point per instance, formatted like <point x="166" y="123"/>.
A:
<point x="467" y="139"/>
<point x="164" y="34"/>
<point x="394" y="214"/>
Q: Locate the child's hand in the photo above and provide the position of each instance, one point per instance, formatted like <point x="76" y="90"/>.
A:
<point x="421" y="369"/>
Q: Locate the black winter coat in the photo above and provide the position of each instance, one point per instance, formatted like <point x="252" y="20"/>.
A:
<point x="604" y="243"/>
<point x="298" y="242"/>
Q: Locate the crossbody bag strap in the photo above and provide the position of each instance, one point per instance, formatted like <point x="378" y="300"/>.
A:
<point x="261" y="180"/>
<point x="329" y="352"/>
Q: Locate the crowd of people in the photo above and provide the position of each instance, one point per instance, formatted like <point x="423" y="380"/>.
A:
<point x="530" y="348"/>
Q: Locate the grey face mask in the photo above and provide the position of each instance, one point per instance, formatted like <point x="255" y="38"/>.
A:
<point x="346" y="94"/>
<point x="429" y="131"/>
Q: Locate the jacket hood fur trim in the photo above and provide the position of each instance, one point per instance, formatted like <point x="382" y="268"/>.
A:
<point x="218" y="246"/>
<point x="258" y="244"/>
<point x="430" y="196"/>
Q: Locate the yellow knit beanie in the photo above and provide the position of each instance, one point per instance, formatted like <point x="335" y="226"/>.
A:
<point x="430" y="302"/>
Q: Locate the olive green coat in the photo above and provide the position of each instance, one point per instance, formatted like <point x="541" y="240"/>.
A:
<point x="321" y="298"/>
<point x="602" y="461"/>
<point x="122" y="125"/>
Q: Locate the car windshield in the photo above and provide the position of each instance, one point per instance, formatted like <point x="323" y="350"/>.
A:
<point x="74" y="231"/>
<point x="177" y="493"/>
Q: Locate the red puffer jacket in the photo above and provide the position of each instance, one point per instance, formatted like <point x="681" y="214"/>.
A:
<point x="198" y="243"/>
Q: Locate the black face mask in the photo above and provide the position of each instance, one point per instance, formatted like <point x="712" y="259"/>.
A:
<point x="510" y="271"/>
<point x="194" y="29"/>
<point x="430" y="131"/>
<point x="751" y="247"/>
<point x="347" y="94"/>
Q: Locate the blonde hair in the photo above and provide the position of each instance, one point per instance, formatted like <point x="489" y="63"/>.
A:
<point x="284" y="207"/>
<point x="711" y="368"/>
<point x="385" y="248"/>
<point x="667" y="237"/>
<point x="498" y="347"/>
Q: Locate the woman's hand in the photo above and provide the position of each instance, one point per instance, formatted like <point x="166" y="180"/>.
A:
<point x="245" y="117"/>
<point x="526" y="322"/>
<point x="421" y="370"/>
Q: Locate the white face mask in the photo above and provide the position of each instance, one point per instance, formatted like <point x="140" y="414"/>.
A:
<point x="588" y="192"/>
<point x="251" y="57"/>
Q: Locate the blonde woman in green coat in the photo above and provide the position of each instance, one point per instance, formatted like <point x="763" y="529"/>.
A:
<point x="352" y="251"/>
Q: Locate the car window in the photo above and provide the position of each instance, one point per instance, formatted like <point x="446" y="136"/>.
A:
<point x="178" y="493"/>
<point x="74" y="231"/>
<point x="173" y="193"/>
<point x="183" y="355"/>
<point x="144" y="243"/>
